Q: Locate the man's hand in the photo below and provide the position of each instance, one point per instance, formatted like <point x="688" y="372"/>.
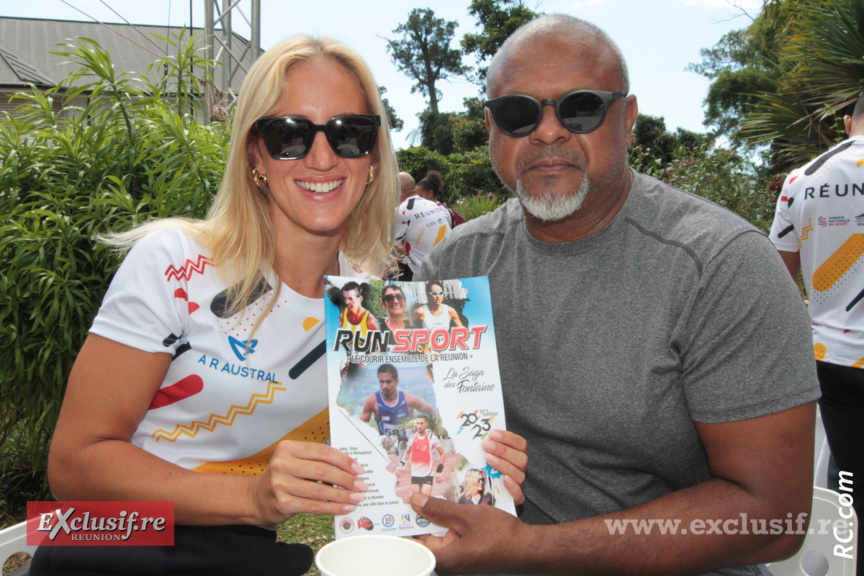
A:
<point x="761" y="467"/>
<point x="480" y="538"/>
<point x="507" y="453"/>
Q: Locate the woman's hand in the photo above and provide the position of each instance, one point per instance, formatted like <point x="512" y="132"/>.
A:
<point x="507" y="453"/>
<point x="306" y="477"/>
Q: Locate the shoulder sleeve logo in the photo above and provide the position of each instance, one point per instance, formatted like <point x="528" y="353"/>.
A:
<point x="185" y="272"/>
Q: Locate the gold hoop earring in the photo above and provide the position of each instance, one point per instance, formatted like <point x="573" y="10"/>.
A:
<point x="259" y="179"/>
<point x="371" y="177"/>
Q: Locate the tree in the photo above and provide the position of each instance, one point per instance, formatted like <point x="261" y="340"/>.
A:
<point x="784" y="82"/>
<point x="824" y="62"/>
<point x="424" y="53"/>
<point x="736" y="75"/>
<point x="395" y="122"/>
<point x="741" y="65"/>
<point x="651" y="136"/>
<point x="497" y="19"/>
<point x="436" y="131"/>
<point x="449" y="132"/>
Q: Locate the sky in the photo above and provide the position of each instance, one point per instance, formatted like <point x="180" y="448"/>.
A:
<point x="658" y="38"/>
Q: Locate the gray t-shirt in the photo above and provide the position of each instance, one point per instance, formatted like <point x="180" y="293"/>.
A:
<point x="611" y="346"/>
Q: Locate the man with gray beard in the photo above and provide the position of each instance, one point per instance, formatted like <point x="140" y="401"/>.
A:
<point x="653" y="350"/>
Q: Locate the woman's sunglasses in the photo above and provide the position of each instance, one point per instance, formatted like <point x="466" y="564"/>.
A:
<point x="391" y="298"/>
<point x="581" y="111"/>
<point x="291" y="137"/>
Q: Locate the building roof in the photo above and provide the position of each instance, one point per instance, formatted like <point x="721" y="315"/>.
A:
<point x="26" y="45"/>
<point x="13" y="67"/>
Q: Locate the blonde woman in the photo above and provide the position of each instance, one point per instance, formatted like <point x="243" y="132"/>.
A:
<point x="204" y="367"/>
<point x="475" y="489"/>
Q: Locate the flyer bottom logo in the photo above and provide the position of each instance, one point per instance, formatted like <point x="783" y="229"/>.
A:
<point x="346" y="525"/>
<point x="100" y="523"/>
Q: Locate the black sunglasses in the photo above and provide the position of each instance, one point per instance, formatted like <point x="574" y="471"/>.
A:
<point x="393" y="297"/>
<point x="581" y="111"/>
<point x="291" y="137"/>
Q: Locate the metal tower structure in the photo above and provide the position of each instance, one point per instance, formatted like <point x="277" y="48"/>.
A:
<point x="218" y="16"/>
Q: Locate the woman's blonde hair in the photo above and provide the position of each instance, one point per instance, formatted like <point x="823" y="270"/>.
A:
<point x="238" y="231"/>
<point x="472" y="478"/>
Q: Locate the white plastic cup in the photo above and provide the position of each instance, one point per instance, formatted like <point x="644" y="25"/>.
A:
<point x="375" y="555"/>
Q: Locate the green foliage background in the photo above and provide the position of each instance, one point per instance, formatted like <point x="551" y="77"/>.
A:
<point x="780" y="86"/>
<point x="132" y="153"/>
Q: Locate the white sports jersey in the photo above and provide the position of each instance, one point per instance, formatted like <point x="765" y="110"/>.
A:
<point x="421" y="224"/>
<point x="432" y="322"/>
<point x="821" y="212"/>
<point x="421" y="453"/>
<point x="227" y="399"/>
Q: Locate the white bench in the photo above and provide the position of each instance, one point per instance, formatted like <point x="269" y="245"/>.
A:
<point x="12" y="541"/>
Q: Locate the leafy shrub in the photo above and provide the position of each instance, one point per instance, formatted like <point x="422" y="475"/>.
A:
<point x="19" y="481"/>
<point x="470" y="207"/>
<point x="125" y="157"/>
<point x="471" y="174"/>
<point x="469" y="134"/>
<point x="720" y="175"/>
<point x="465" y="174"/>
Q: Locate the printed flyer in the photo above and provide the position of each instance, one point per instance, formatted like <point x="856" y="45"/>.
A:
<point x="414" y="388"/>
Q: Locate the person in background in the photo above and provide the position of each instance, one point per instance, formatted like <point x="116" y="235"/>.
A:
<point x="420" y="225"/>
<point x="425" y="189"/>
<point x="406" y="185"/>
<point x="430" y="188"/>
<point x="819" y="229"/>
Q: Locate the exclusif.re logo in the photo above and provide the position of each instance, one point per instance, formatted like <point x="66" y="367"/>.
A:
<point x="100" y="523"/>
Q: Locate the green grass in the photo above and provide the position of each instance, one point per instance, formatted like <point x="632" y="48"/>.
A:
<point x="316" y="531"/>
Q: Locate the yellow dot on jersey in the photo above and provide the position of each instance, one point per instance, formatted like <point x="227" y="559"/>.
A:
<point x="309" y="323"/>
<point x="820" y="351"/>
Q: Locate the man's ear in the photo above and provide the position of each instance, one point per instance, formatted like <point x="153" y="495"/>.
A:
<point x="487" y="119"/>
<point x="631" y="112"/>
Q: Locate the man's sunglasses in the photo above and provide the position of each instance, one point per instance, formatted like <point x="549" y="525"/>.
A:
<point x="435" y="293"/>
<point x="291" y="137"/>
<point x="581" y="111"/>
<point x="390" y="298"/>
